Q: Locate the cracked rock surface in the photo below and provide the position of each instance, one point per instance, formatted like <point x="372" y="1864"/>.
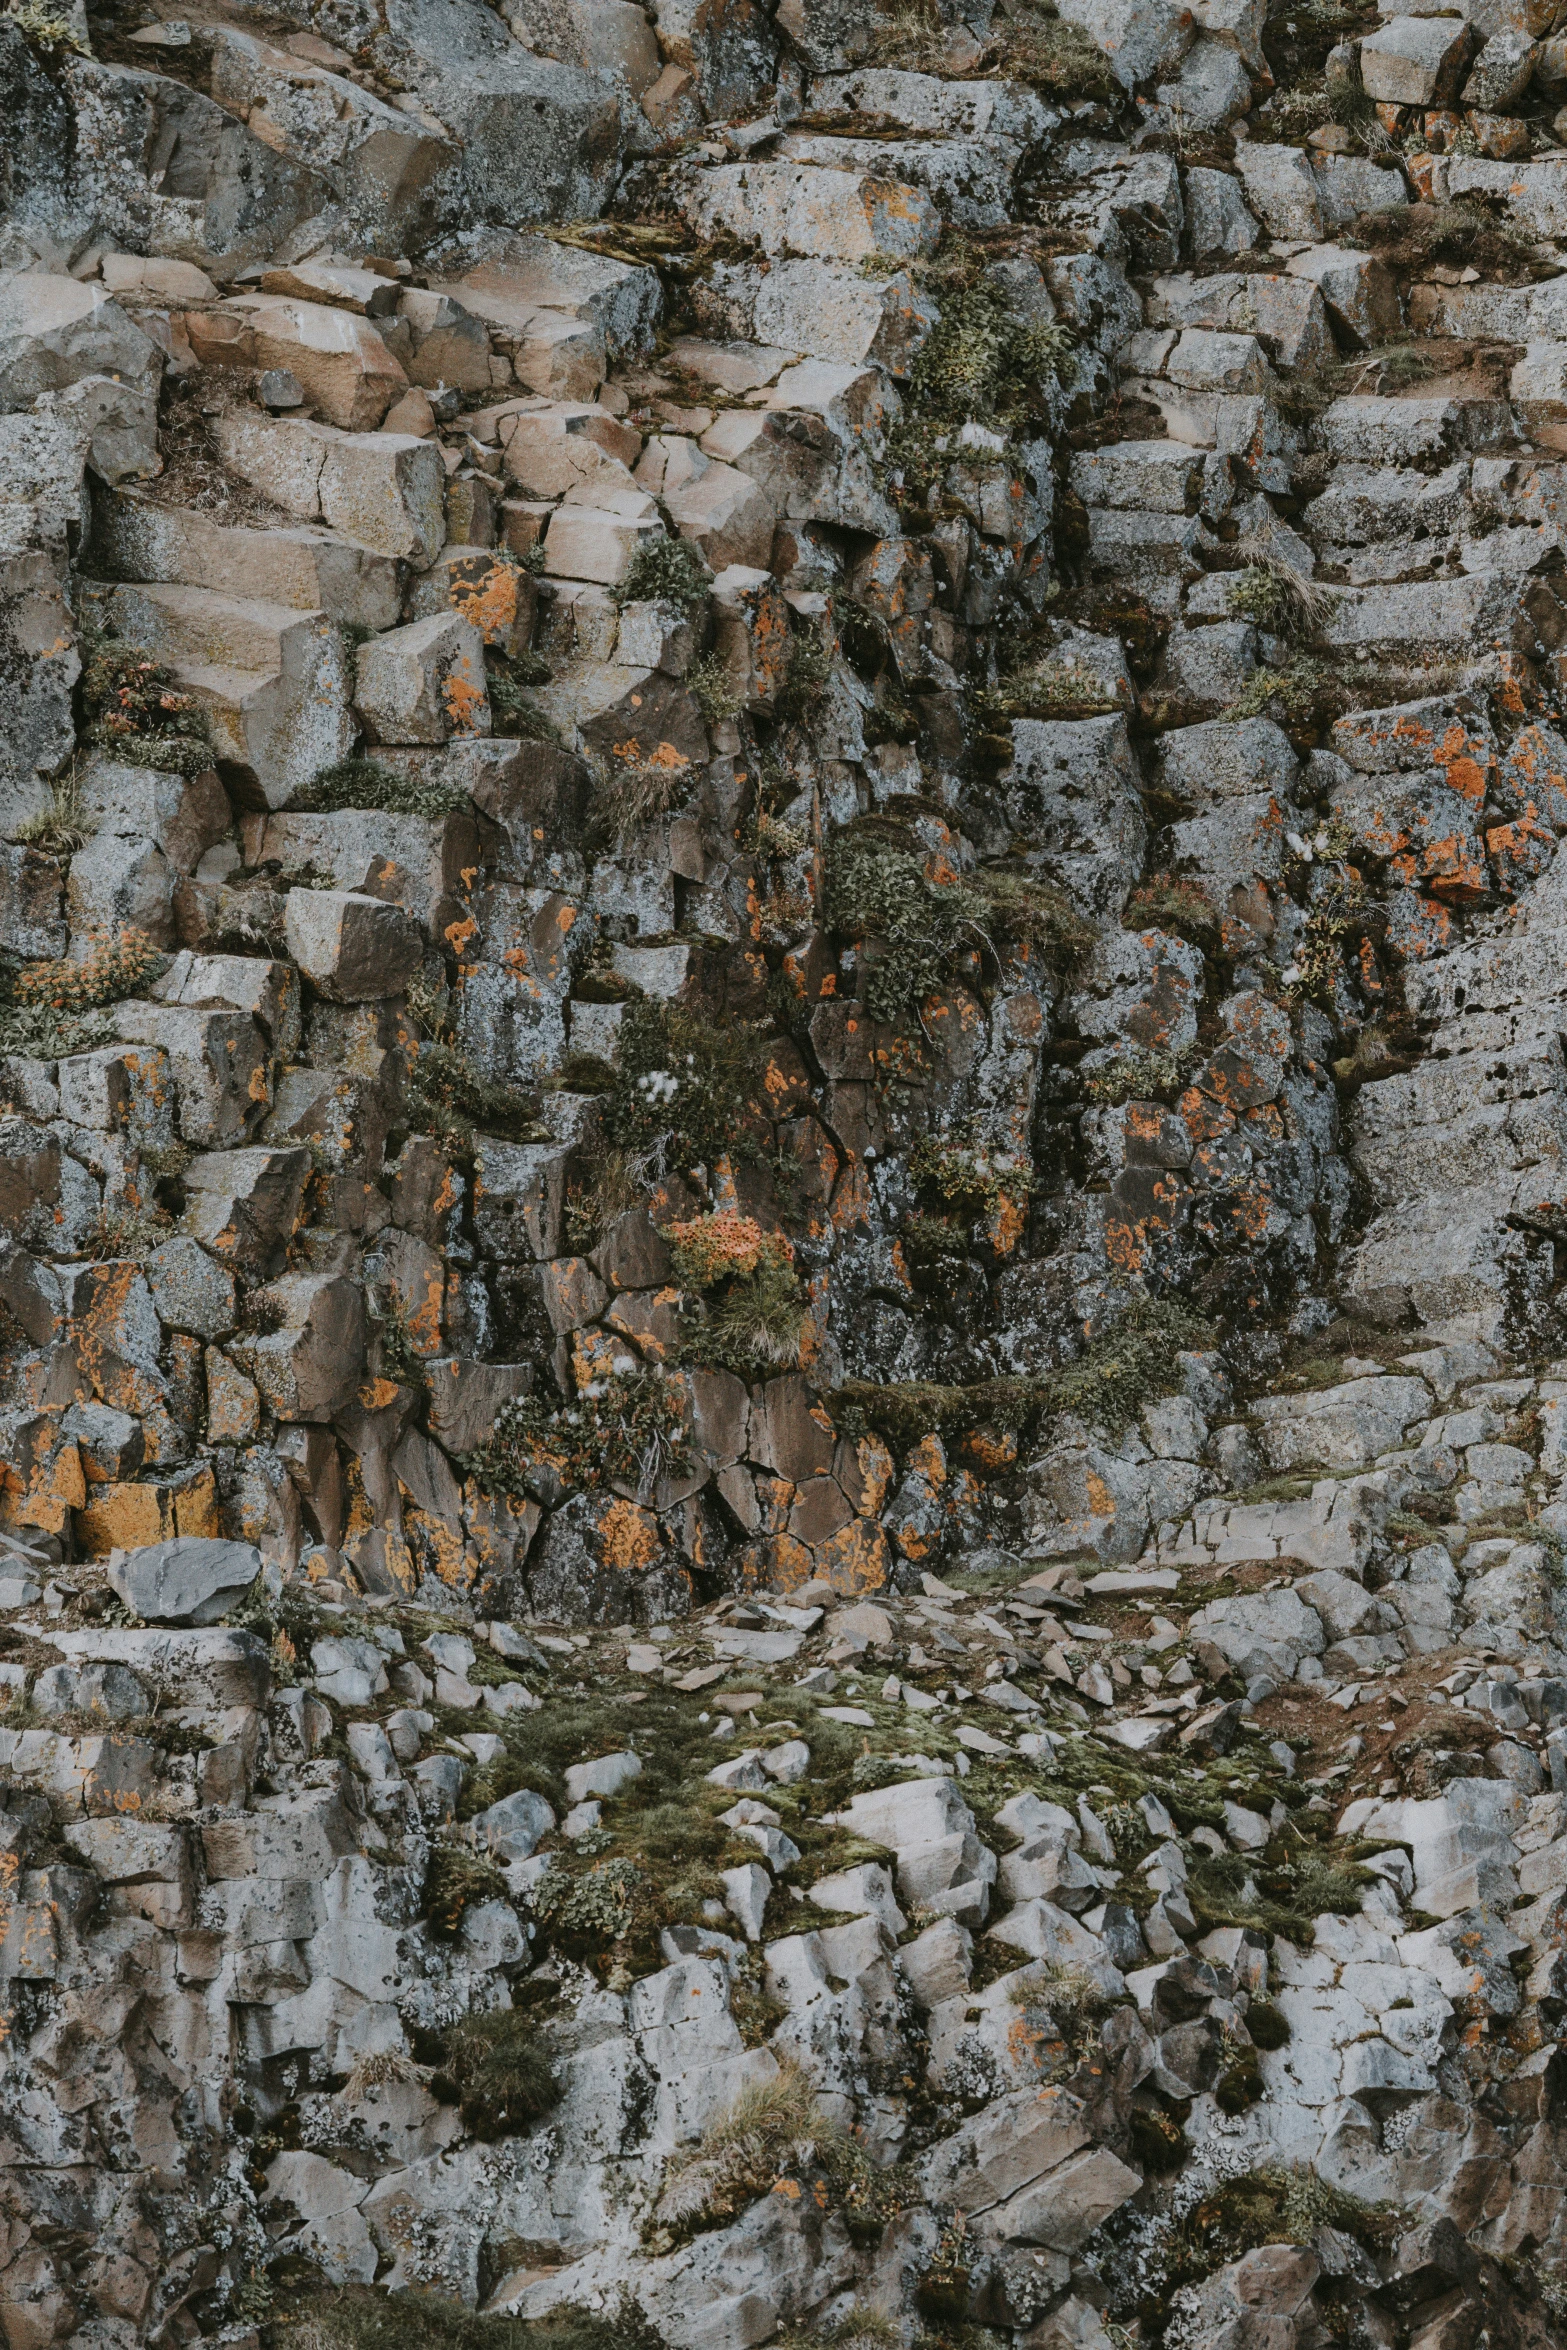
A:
<point x="783" y="1361"/>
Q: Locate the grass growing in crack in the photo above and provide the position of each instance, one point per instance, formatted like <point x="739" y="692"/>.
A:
<point x="773" y="2127"/>
<point x="1178" y="907"/>
<point x="358" y="2317"/>
<point x="361" y="782"/>
<point x="1107" y="1386"/>
<point x="457" y="1879"/>
<point x="65" y="825"/>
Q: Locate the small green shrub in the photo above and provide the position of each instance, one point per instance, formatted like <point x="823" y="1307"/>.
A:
<point x="666" y="571"/>
<point x="879" y="889"/>
<point x="500" y="2070"/>
<point x="1267" y="2024"/>
<point x="747" y="1312"/>
<point x="361" y="782"/>
<point x="513" y="710"/>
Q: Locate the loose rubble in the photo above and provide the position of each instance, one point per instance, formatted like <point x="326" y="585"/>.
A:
<point x="783" y="1533"/>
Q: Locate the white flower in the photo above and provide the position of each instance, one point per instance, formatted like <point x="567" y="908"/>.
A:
<point x="1301" y="848"/>
<point x="1291" y="974"/>
<point x="623" y="1365"/>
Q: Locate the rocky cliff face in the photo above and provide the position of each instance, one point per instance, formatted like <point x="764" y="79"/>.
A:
<point x="783" y="1545"/>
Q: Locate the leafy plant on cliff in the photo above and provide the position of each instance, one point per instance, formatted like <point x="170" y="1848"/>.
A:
<point x="882" y="891"/>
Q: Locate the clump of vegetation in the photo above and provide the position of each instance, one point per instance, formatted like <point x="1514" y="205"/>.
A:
<point x="361" y="782"/>
<point x="774" y="2127"/>
<point x="1107" y="1386"/>
<point x="751" y="1315"/>
<point x="880" y="888"/>
<point x="1287" y="1897"/>
<point x="807" y="672"/>
<point x="498" y="2069"/>
<point x="609" y="1188"/>
<point x="65" y="825"/>
<point x="981" y="367"/>
<point x="1334" y="919"/>
<point x="134" y="710"/>
<point x="509" y="678"/>
<point x="361" y="2317"/>
<point x="682" y="1090"/>
<point x="40" y="24"/>
<point x="446" y="1097"/>
<point x="1048" y="688"/>
<point x="457" y="1879"/>
<point x="45" y="1007"/>
<point x="713" y="689"/>
<point x="969" y="1175"/>
<point x="1266" y="2206"/>
<point x="1279" y="598"/>
<point x="626" y="1429"/>
<point x="1301" y="695"/>
<point x="1140" y="1077"/>
<point x="1032" y="913"/>
<point x="666" y="571"/>
<point x="1178" y="907"/>
<point x="636" y="791"/>
<point x="1033" y="44"/>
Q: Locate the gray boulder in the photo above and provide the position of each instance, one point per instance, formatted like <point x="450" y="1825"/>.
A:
<point x="191" y="1580"/>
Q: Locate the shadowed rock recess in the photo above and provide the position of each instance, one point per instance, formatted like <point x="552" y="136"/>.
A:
<point x="783" y="1175"/>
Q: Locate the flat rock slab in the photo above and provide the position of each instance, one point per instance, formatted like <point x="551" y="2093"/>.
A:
<point x="192" y="1580"/>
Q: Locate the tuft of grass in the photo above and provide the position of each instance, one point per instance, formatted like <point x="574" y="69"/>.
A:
<point x="666" y="571"/>
<point x="1279" y="597"/>
<point x="1140" y="1077"/>
<point x="361" y="782"/>
<point x="499" y="2070"/>
<point x="65" y="825"/>
<point x="357" y="2317"/>
<point x="445" y="1096"/>
<point x="1107" y="1386"/>
<point x="682" y="1090"/>
<point x="457" y="1879"/>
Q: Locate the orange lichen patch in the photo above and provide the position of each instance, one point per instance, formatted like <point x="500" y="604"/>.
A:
<point x="627" y="1536"/>
<point x="929" y="1460"/>
<point x="42" y="1482"/>
<point x="125" y="1517"/>
<point x="438" y="1545"/>
<point x="855" y="1559"/>
<point x="1520" y="851"/>
<point x="864" y="1468"/>
<point x="593" y="1354"/>
<point x="376" y="1394"/>
<point x="989" y="1449"/>
<point x="778" y="1564"/>
<point x="464" y="697"/>
<point x="1005" y="1224"/>
<point x="485" y="595"/>
<point x="461" y="933"/>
